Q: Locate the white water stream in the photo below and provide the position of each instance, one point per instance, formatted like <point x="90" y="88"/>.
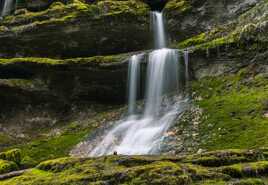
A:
<point x="7" y="7"/>
<point x="133" y="82"/>
<point x="142" y="133"/>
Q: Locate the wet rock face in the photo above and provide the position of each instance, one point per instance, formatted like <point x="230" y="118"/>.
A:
<point x="188" y="18"/>
<point x="67" y="84"/>
<point x="37" y="5"/>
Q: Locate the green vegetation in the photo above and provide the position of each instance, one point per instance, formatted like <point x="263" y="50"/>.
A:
<point x="11" y="155"/>
<point x="59" y="13"/>
<point x="43" y="149"/>
<point x="135" y="170"/>
<point x="90" y="60"/>
<point x="246" y="169"/>
<point x="234" y="108"/>
<point x="178" y="5"/>
<point x="251" y="181"/>
<point x="196" y="40"/>
<point x="7" y="166"/>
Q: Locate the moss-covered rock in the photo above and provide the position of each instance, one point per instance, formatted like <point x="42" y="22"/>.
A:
<point x="246" y="169"/>
<point x="187" y="18"/>
<point x="11" y="155"/>
<point x="7" y="166"/>
<point x="149" y="170"/>
<point x="249" y="29"/>
<point x="83" y="29"/>
<point x="58" y="165"/>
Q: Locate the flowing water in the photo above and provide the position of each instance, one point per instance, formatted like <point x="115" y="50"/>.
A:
<point x="143" y="133"/>
<point x="158" y="27"/>
<point x="133" y="79"/>
<point x="7" y="7"/>
<point x="186" y="61"/>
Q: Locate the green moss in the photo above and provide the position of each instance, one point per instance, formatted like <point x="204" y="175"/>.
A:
<point x="110" y="7"/>
<point x="59" y="146"/>
<point x="7" y="166"/>
<point x="213" y="182"/>
<point x="224" y="157"/>
<point x="179" y="5"/>
<point x="201" y="42"/>
<point x="196" y="40"/>
<point x="28" y="162"/>
<point x="250" y="181"/>
<point x="89" y="60"/>
<point x="59" y="13"/>
<point x="58" y="165"/>
<point x="11" y="155"/>
<point x="234" y="108"/>
<point x="157" y="170"/>
<point x="198" y="173"/>
<point x="31" y="60"/>
<point x="246" y="169"/>
<point x="101" y="170"/>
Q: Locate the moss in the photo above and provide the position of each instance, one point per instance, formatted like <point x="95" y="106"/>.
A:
<point x="213" y="182"/>
<point x="28" y="162"/>
<point x="59" y="13"/>
<point x="51" y="148"/>
<point x="200" y="42"/>
<point x="11" y="155"/>
<point x="224" y="157"/>
<point x="109" y="7"/>
<point x="101" y="170"/>
<point x="157" y="170"/>
<point x="7" y="166"/>
<point x="218" y="161"/>
<point x="196" y="40"/>
<point x="49" y="61"/>
<point x="246" y="169"/>
<point x="181" y="6"/>
<point x="58" y="165"/>
<point x="31" y="60"/>
<point x="234" y="108"/>
<point x="251" y="181"/>
<point x="198" y="173"/>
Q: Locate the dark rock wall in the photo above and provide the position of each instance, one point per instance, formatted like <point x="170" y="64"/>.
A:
<point x="188" y="18"/>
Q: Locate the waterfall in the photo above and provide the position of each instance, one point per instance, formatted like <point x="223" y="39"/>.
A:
<point x="158" y="29"/>
<point x="161" y="74"/>
<point x="7" y="7"/>
<point x="186" y="61"/>
<point x="133" y="82"/>
<point x="143" y="133"/>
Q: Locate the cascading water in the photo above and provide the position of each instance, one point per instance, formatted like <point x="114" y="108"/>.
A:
<point x="186" y="61"/>
<point x="142" y="133"/>
<point x="158" y="29"/>
<point x="7" y="7"/>
<point x="133" y="79"/>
